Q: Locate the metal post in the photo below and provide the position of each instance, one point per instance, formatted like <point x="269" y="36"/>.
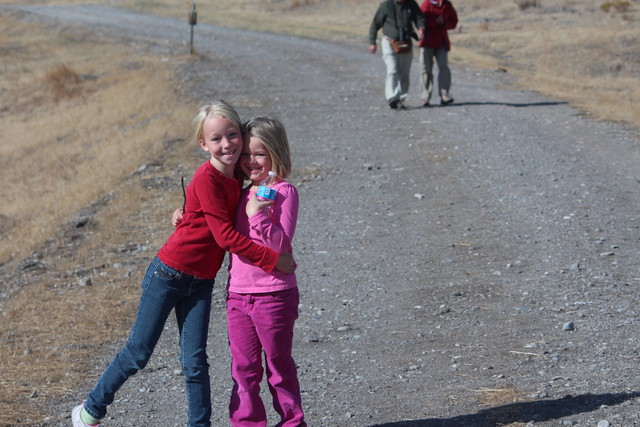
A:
<point x="193" y="20"/>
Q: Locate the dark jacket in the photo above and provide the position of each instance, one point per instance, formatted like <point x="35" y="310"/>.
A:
<point x="436" y="35"/>
<point x="396" y="20"/>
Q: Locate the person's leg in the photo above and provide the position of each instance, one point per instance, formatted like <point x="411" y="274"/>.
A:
<point x="245" y="406"/>
<point x="274" y="316"/>
<point x="392" y="82"/>
<point x="426" y="74"/>
<point x="159" y="293"/>
<point x="192" y="315"/>
<point x="444" y="75"/>
<point x="404" y="72"/>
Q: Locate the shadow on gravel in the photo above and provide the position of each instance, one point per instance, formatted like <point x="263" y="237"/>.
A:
<point x="507" y="104"/>
<point x="523" y="412"/>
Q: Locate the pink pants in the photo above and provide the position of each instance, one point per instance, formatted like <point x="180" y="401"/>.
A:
<point x="258" y="322"/>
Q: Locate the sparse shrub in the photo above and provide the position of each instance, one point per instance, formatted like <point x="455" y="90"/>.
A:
<point x="285" y="4"/>
<point x="620" y="6"/>
<point x="64" y="82"/>
<point x="527" y="4"/>
<point x="300" y="3"/>
<point x="484" y="25"/>
<point x="478" y="4"/>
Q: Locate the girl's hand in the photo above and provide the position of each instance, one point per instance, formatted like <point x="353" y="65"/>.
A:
<point x="254" y="205"/>
<point x="176" y="218"/>
<point x="286" y="263"/>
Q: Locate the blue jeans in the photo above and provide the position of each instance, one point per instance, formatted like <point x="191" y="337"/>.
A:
<point x="164" y="289"/>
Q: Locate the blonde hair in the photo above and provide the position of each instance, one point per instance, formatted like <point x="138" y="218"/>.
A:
<point x="217" y="108"/>
<point x="274" y="137"/>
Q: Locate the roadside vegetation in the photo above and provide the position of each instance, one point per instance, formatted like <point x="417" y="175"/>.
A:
<point x="79" y="116"/>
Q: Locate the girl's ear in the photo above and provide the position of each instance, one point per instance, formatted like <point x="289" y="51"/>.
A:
<point x="203" y="145"/>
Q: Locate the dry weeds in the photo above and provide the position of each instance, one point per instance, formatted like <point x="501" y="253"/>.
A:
<point x="78" y="118"/>
<point x="65" y="83"/>
<point x="79" y="115"/>
<point x="565" y="49"/>
<point x="72" y="131"/>
<point x="501" y="401"/>
<point x="499" y="396"/>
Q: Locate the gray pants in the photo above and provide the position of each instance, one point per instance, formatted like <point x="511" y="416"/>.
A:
<point x="426" y="74"/>
<point x="398" y="68"/>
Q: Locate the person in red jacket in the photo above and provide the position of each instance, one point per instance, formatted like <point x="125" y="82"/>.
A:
<point x="180" y="278"/>
<point x="439" y="16"/>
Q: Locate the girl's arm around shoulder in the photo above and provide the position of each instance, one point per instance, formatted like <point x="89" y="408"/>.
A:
<point x="276" y="228"/>
<point x="218" y="202"/>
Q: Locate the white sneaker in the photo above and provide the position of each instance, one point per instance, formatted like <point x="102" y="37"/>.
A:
<point x="76" y="420"/>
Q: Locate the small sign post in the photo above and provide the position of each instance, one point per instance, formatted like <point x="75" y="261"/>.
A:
<point x="193" y="20"/>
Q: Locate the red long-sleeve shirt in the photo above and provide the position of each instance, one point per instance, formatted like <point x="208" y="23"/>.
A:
<point x="198" y="244"/>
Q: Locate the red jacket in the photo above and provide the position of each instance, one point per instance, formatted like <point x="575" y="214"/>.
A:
<point x="198" y="244"/>
<point x="436" y="34"/>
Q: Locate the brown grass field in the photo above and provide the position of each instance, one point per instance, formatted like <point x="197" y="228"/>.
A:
<point x="79" y="115"/>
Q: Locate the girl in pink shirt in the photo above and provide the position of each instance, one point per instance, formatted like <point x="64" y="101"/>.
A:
<point x="263" y="306"/>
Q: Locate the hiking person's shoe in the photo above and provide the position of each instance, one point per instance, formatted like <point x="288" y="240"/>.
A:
<point x="445" y="98"/>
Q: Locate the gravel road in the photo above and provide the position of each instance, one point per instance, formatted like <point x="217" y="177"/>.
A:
<point x="469" y="265"/>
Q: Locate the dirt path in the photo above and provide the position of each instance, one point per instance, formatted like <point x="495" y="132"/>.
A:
<point x="443" y="252"/>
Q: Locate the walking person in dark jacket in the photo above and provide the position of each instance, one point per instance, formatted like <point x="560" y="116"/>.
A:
<point x="439" y="16"/>
<point x="397" y="19"/>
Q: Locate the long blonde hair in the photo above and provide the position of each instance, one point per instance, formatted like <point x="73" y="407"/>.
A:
<point x="274" y="137"/>
<point x="217" y="108"/>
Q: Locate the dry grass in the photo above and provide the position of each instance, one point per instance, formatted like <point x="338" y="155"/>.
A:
<point x="562" y="48"/>
<point x="40" y="353"/>
<point x="64" y="83"/>
<point x="73" y="125"/>
<point x="52" y="329"/>
<point x="502" y="400"/>
<point x="79" y="115"/>
<point x="78" y="118"/>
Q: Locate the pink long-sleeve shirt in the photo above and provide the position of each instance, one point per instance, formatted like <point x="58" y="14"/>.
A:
<point x="274" y="230"/>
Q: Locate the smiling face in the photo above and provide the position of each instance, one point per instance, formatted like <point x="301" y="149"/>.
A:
<point x="255" y="160"/>
<point x="223" y="140"/>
